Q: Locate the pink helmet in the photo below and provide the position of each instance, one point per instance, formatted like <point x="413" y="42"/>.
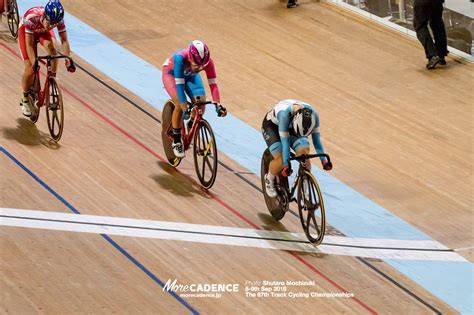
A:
<point x="199" y="52"/>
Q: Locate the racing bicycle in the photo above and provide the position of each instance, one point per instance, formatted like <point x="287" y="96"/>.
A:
<point x="304" y="191"/>
<point x="49" y="97"/>
<point x="13" y="18"/>
<point x="199" y="135"/>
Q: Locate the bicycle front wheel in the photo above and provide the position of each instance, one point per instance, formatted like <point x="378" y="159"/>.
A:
<point x="311" y="208"/>
<point x="13" y="18"/>
<point x="205" y="154"/>
<point x="54" y="109"/>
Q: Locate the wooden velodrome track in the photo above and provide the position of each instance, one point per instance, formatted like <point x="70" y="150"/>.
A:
<point x="399" y="134"/>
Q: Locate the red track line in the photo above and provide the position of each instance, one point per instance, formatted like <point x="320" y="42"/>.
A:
<point x="212" y="195"/>
<point x="10" y="50"/>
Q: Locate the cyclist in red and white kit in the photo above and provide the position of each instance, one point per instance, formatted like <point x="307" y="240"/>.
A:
<point x="36" y="26"/>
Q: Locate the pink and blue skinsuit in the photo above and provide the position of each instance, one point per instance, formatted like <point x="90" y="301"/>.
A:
<point x="179" y="79"/>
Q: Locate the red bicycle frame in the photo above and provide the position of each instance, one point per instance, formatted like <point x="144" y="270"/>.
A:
<point x="187" y="136"/>
<point x="37" y="84"/>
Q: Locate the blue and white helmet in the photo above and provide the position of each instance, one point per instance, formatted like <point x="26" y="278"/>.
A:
<point x="54" y="11"/>
<point x="303" y="122"/>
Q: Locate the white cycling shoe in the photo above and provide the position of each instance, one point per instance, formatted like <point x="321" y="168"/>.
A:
<point x="25" y="108"/>
<point x="178" y="149"/>
<point x="270" y="187"/>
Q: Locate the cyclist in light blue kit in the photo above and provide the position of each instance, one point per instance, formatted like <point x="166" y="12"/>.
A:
<point x="288" y="125"/>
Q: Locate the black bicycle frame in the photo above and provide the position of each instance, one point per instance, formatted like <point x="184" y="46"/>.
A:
<point x="301" y="170"/>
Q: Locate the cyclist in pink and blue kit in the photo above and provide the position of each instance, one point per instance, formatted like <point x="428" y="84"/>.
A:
<point x="181" y="77"/>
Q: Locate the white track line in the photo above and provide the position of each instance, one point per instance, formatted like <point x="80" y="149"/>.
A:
<point x="334" y="245"/>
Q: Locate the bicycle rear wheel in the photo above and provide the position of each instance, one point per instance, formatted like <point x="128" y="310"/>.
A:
<point x="13" y="18"/>
<point x="54" y="109"/>
<point x="205" y="154"/>
<point x="165" y="134"/>
<point x="34" y="99"/>
<point x="311" y="208"/>
<point x="279" y="205"/>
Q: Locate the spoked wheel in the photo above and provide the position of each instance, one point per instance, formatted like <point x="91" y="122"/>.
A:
<point x="279" y="205"/>
<point x="34" y="98"/>
<point x="205" y="154"/>
<point x="35" y="110"/>
<point x="54" y="110"/>
<point x="13" y="17"/>
<point x="311" y="208"/>
<point x="166" y="134"/>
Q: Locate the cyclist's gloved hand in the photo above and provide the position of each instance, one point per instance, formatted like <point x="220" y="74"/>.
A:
<point x="70" y="65"/>
<point x="221" y="110"/>
<point x="327" y="166"/>
<point x="286" y="171"/>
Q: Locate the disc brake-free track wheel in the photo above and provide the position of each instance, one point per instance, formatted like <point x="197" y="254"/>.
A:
<point x="166" y="129"/>
<point x="205" y="154"/>
<point x="274" y="205"/>
<point x="311" y="208"/>
<point x="35" y="110"/>
<point x="54" y="110"/>
<point x="13" y="18"/>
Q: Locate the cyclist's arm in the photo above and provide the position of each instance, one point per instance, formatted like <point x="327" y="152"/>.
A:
<point x="30" y="50"/>
<point x="283" y="123"/>
<point x="65" y="47"/>
<point x="318" y="145"/>
<point x="212" y="79"/>
<point x="178" y="62"/>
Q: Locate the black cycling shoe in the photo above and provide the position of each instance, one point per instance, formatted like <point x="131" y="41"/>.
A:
<point x="292" y="4"/>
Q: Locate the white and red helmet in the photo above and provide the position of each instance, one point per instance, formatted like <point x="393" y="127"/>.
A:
<point x="199" y="53"/>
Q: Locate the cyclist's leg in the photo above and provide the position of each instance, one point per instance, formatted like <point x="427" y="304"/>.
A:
<point x="2" y="6"/>
<point x="27" y="77"/>
<point x="48" y="41"/>
<point x="195" y="89"/>
<point x="170" y="87"/>
<point x="276" y="164"/>
<point x="301" y="146"/>
<point x="273" y="141"/>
